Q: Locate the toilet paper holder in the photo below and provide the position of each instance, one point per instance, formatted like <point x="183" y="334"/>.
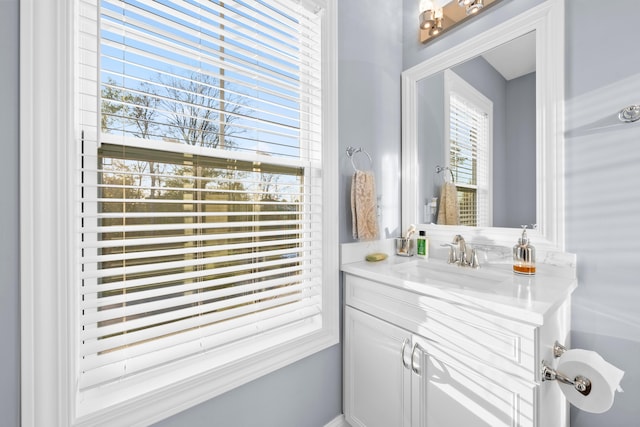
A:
<point x="580" y="383"/>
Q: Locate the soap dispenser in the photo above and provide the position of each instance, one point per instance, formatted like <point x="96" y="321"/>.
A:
<point x="524" y="255"/>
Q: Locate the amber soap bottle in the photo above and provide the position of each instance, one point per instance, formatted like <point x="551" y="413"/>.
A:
<point x="524" y="255"/>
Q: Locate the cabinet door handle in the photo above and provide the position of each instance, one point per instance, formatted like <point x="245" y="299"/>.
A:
<point x="404" y="344"/>
<point x="416" y="346"/>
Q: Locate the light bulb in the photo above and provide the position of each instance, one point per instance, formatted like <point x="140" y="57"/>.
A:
<point x="437" y="27"/>
<point x="425" y="5"/>
<point x="475" y="7"/>
<point x="427" y="19"/>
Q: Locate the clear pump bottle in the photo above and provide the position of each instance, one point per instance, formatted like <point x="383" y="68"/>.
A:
<point x="524" y="255"/>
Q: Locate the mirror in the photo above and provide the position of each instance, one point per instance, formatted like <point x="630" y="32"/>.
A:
<point x="523" y="181"/>
<point x="478" y="119"/>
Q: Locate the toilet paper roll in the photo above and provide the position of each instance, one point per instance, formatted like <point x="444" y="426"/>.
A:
<point x="605" y="379"/>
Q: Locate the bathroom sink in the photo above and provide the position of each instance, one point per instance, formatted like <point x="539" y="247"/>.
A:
<point x="450" y="274"/>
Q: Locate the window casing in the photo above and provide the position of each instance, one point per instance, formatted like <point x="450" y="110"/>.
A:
<point x="241" y="231"/>
<point x="468" y="142"/>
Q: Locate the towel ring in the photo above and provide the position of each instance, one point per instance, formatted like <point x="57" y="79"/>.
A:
<point x="351" y="152"/>
<point x="443" y="168"/>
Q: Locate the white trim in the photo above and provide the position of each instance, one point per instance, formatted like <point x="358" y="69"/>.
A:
<point x="547" y="19"/>
<point x="45" y="122"/>
<point x="196" y="150"/>
<point x="47" y="273"/>
<point x="330" y="173"/>
<point x="338" y="421"/>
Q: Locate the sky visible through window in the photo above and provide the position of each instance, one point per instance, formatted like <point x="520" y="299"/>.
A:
<point x="168" y="60"/>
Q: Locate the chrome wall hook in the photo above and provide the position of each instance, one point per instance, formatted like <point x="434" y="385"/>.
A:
<point x="629" y="114"/>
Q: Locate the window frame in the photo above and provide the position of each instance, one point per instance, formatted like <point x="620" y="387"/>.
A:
<point x="453" y="83"/>
<point x="48" y="246"/>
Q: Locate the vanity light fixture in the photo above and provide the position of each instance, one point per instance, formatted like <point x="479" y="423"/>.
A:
<point x="475" y="7"/>
<point x="439" y="16"/>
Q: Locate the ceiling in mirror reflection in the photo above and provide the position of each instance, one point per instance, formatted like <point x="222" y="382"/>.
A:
<point x="514" y="59"/>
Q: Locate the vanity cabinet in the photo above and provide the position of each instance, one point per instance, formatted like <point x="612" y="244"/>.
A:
<point x="377" y="381"/>
<point x="411" y="359"/>
<point x="450" y="391"/>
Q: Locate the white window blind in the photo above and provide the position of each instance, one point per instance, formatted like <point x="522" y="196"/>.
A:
<point x="468" y="159"/>
<point x="200" y="186"/>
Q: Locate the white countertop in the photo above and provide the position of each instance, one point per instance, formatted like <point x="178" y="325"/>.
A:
<point x="493" y="287"/>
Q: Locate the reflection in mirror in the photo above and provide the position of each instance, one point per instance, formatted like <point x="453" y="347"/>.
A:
<point x="525" y="151"/>
<point x="478" y="121"/>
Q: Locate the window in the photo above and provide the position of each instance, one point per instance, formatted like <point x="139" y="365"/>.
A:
<point x="468" y="142"/>
<point x="201" y="246"/>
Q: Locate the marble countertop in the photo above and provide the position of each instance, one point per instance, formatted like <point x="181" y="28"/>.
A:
<point x="493" y="287"/>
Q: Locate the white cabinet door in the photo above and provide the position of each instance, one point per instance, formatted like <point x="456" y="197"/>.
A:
<point x="376" y="375"/>
<point x="449" y="390"/>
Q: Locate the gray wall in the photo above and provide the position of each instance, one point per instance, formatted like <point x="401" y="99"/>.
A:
<point x="306" y="393"/>
<point x="603" y="194"/>
<point x="370" y="37"/>
<point x="430" y="139"/>
<point x="9" y="243"/>
<point x="520" y="142"/>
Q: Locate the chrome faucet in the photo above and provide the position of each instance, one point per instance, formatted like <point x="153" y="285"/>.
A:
<point x="461" y="254"/>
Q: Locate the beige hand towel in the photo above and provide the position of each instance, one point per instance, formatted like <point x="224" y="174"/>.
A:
<point x="363" y="206"/>
<point x="448" y="212"/>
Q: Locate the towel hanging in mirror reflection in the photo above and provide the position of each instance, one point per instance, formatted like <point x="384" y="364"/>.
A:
<point x="448" y="211"/>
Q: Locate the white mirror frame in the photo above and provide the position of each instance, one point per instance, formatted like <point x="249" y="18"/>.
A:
<point x="547" y="20"/>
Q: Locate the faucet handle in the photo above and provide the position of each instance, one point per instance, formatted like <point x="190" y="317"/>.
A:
<point x="474" y="263"/>
<point x="453" y="259"/>
<point x="452" y="253"/>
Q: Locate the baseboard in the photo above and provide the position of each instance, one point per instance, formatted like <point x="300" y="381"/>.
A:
<point x="338" y="421"/>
